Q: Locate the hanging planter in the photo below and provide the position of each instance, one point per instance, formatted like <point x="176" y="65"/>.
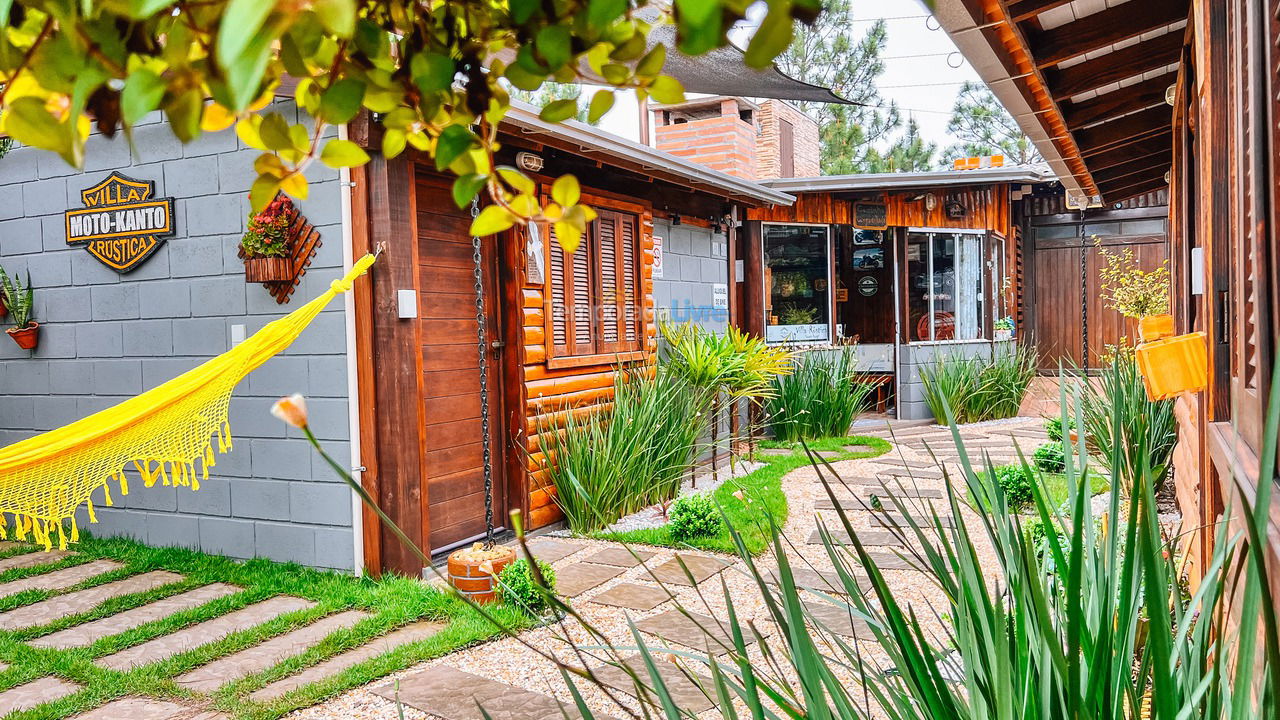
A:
<point x="20" y="299"/>
<point x="265" y="245"/>
<point x="27" y="337"/>
<point x="473" y="571"/>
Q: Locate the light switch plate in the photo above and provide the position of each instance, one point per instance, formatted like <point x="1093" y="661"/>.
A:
<point x="406" y="304"/>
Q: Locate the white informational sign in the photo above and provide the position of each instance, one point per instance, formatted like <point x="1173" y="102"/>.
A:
<point x="798" y="333"/>
<point x="720" y="296"/>
<point x="657" y="257"/>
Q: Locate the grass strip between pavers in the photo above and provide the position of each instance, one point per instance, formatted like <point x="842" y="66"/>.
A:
<point x="763" y="488"/>
<point x="392" y="602"/>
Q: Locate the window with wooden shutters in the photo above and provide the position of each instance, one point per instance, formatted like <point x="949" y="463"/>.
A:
<point x="594" y="291"/>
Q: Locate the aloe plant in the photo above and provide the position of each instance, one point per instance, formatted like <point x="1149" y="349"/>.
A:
<point x="19" y="298"/>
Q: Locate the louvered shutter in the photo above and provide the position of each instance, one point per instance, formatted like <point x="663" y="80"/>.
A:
<point x="630" y="241"/>
<point x="558" y="305"/>
<point x="609" y="254"/>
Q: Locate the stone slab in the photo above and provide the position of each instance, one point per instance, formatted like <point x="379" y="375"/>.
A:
<point x="59" y="579"/>
<point x="838" y="620"/>
<point x="74" y="603"/>
<point x="889" y="560"/>
<point x="699" y="632"/>
<point x="775" y="452"/>
<point x="824" y="581"/>
<point x="452" y="694"/>
<point x="910" y="494"/>
<point x="203" y="633"/>
<point x="91" y="632"/>
<point x="336" y="664"/>
<point x="266" y="654"/>
<point x="143" y="708"/>
<point x="688" y="694"/>
<point x="632" y="596"/>
<point x="620" y="557"/>
<point x="860" y="448"/>
<point x="551" y="550"/>
<point x="573" y="580"/>
<point x="919" y="473"/>
<point x="36" y="692"/>
<point x="32" y="559"/>
<point x="867" y="537"/>
<point x="700" y="566"/>
<point x="893" y="519"/>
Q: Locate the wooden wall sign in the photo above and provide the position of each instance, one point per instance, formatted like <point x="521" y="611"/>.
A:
<point x="870" y="216"/>
<point x="120" y="223"/>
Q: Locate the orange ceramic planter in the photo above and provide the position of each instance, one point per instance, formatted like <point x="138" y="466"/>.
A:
<point x="1174" y="365"/>
<point x="1155" y="327"/>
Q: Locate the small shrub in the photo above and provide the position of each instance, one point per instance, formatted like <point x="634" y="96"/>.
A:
<point x="1051" y="457"/>
<point x="1056" y="430"/>
<point x="819" y="399"/>
<point x="694" y="516"/>
<point x="517" y="587"/>
<point x="1016" y="482"/>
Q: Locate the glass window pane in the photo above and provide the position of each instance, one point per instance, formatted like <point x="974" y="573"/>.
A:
<point x="1056" y="232"/>
<point x="969" y="298"/>
<point x="1102" y="229"/>
<point x="944" y="286"/>
<point x="918" y="288"/>
<point x="1154" y="226"/>
<point x="797" y="271"/>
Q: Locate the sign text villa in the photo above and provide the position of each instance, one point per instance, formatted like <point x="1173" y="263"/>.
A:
<point x="120" y="223"/>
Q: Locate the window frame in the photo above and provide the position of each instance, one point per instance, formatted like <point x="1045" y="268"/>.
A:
<point x="623" y="351"/>
<point x="985" y="295"/>
<point x="764" y="290"/>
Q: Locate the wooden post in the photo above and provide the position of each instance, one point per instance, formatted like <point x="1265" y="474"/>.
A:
<point x="753" y="278"/>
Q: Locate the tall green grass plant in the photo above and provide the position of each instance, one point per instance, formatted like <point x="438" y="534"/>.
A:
<point x="820" y="398"/>
<point x="978" y="389"/>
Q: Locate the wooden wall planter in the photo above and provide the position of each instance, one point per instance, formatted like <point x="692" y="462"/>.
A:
<point x="280" y="276"/>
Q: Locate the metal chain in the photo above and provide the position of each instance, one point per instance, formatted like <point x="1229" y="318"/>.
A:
<point x="1084" y="299"/>
<point x="482" y="347"/>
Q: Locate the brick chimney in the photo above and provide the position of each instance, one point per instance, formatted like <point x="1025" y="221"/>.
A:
<point x="736" y="136"/>
<point x="717" y="132"/>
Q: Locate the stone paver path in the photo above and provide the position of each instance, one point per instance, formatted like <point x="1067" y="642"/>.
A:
<point x="685" y="692"/>
<point x="620" y="556"/>
<point x="838" y="620"/>
<point x="266" y="654"/>
<point x="867" y="537"/>
<point x="36" y="692"/>
<point x="336" y="664"/>
<point x="575" y="579"/>
<point x="551" y="549"/>
<point x="825" y="581"/>
<point x="632" y="596"/>
<point x="31" y="559"/>
<point x="456" y="695"/>
<point x="149" y="709"/>
<point x="888" y="474"/>
<point x="74" y="603"/>
<point x="700" y="566"/>
<point x="89" y="633"/>
<point x="203" y="633"/>
<point x="59" y="579"/>
<point x="923" y="519"/>
<point x="696" y="631"/>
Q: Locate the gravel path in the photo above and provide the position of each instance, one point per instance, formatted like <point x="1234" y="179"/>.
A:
<point x="508" y="661"/>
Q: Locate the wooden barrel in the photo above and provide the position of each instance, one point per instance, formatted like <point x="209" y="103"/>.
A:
<point x="478" y="579"/>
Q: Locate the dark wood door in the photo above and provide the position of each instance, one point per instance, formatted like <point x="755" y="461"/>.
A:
<point x="451" y="369"/>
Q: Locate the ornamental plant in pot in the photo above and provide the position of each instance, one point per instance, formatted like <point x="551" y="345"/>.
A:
<point x="4" y="278"/>
<point x="20" y="299"/>
<point x="473" y="571"/>
<point x="266" y="243"/>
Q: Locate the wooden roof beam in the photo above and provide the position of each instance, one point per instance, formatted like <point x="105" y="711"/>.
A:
<point x="1124" y="130"/>
<point x="1020" y="10"/>
<point x="1113" y="67"/>
<point x="1162" y="159"/>
<point x="1118" y="192"/>
<point x="1096" y="31"/>
<point x="1121" y="101"/>
<point x="1121" y="154"/>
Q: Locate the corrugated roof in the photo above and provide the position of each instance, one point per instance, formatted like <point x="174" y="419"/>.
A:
<point x="933" y="178"/>
<point x="593" y="142"/>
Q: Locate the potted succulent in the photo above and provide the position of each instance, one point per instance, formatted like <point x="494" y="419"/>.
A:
<point x="4" y="278"/>
<point x="265" y="244"/>
<point x="20" y="299"/>
<point x="1004" y="328"/>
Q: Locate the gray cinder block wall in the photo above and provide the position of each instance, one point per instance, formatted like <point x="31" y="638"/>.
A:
<point x="912" y="357"/>
<point x="694" y="259"/>
<point x="106" y="336"/>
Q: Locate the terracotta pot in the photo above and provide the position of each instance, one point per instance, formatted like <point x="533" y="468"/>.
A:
<point x="268" y="269"/>
<point x="470" y="580"/>
<point x="27" y="337"/>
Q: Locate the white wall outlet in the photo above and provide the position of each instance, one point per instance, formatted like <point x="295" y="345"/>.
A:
<point x="406" y="304"/>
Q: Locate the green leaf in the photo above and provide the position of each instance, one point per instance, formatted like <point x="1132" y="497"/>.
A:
<point x="135" y="9"/>
<point x="142" y="93"/>
<point x="773" y="36"/>
<point x="274" y="132"/>
<point x="602" y="12"/>
<point x="432" y="72"/>
<point x="340" y="103"/>
<point x="566" y="191"/>
<point x="343" y="153"/>
<point x="240" y="21"/>
<point x="517" y="180"/>
<point x="454" y="141"/>
<point x="393" y="142"/>
<point x="338" y="16"/>
<point x="559" y="110"/>
<point x="653" y="61"/>
<point x="522" y="10"/>
<point x="615" y="73"/>
<point x="523" y="79"/>
<point x="699" y="26"/>
<point x="29" y="122"/>
<point x="667" y="90"/>
<point x="244" y="72"/>
<point x="184" y="113"/>
<point x="263" y="191"/>
<point x="466" y="187"/>
<point x="493" y="219"/>
<point x="554" y="44"/>
<point x="601" y="103"/>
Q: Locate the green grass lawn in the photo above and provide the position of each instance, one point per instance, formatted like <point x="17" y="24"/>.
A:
<point x="763" y="488"/>
<point x="391" y="602"/>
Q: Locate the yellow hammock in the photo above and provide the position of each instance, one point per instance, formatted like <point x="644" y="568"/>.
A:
<point x="167" y="433"/>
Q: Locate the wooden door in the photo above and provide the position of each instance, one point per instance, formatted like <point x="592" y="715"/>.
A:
<point x="451" y="370"/>
<point x="1057" y="307"/>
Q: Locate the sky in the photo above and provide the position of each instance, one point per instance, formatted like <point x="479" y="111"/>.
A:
<point x="920" y="70"/>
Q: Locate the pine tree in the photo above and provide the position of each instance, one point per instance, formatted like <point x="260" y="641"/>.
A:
<point x="984" y="127"/>
<point x="910" y="153"/>
<point x="829" y="53"/>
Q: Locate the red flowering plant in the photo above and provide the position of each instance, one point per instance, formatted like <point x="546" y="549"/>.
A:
<point x="268" y="233"/>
